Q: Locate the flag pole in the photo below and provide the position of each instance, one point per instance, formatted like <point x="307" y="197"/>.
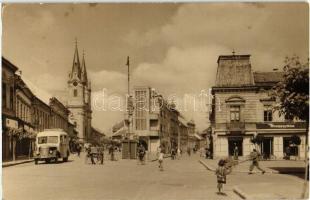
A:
<point x="128" y="109"/>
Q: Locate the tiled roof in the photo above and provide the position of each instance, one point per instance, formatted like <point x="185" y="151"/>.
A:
<point x="267" y="77"/>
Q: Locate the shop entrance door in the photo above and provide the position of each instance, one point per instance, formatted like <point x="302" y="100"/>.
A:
<point x="232" y="142"/>
<point x="267" y="147"/>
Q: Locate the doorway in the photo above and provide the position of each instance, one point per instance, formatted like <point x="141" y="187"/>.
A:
<point x="235" y="141"/>
<point x="267" y="147"/>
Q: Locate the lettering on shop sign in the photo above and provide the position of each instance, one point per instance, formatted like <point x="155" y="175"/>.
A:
<point x="277" y="126"/>
<point x="281" y="126"/>
<point x="11" y="123"/>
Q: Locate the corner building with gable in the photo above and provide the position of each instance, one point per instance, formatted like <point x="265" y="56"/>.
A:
<point x="242" y="109"/>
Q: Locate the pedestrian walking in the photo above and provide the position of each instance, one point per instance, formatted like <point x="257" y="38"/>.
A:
<point x="78" y="149"/>
<point x="101" y="154"/>
<point x="93" y="154"/>
<point x="189" y="151"/>
<point x="221" y="173"/>
<point x="236" y="152"/>
<point x="111" y="152"/>
<point x="173" y="153"/>
<point x="254" y="156"/>
<point x="88" y="154"/>
<point x="160" y="158"/>
<point x="179" y="154"/>
<point x="141" y="154"/>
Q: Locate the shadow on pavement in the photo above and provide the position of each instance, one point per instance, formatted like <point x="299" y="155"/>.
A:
<point x="294" y="171"/>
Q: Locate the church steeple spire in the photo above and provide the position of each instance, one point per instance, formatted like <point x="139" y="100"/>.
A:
<point x="76" y="67"/>
<point x="84" y="72"/>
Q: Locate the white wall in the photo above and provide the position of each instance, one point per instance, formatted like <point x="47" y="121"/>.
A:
<point x="278" y="147"/>
<point x="221" y="148"/>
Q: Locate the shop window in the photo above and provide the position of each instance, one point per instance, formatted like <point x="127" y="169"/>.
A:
<point x="289" y="148"/>
<point x="267" y="114"/>
<point x="234" y="142"/>
<point x="234" y="113"/>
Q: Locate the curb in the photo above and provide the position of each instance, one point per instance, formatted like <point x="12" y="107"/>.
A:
<point x="206" y="166"/>
<point x="240" y="193"/>
<point x="16" y="163"/>
<point x="238" y="171"/>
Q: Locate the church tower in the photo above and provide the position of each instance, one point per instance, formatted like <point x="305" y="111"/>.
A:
<point x="79" y="97"/>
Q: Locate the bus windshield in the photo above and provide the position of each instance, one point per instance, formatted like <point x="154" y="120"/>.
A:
<point x="48" y="139"/>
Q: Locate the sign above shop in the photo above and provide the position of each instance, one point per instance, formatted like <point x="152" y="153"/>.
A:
<point x="280" y="125"/>
<point x="11" y="123"/>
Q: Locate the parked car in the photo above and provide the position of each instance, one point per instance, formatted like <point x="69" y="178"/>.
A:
<point x="51" y="144"/>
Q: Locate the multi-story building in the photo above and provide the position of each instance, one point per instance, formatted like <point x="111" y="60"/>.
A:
<point x="59" y="114"/>
<point x="41" y="117"/>
<point x="24" y="97"/>
<point x="156" y="121"/>
<point x="9" y="121"/>
<point x="79" y="97"/>
<point x="242" y="109"/>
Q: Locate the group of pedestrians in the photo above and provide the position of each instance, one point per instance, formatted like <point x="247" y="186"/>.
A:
<point x="95" y="151"/>
<point x="223" y="169"/>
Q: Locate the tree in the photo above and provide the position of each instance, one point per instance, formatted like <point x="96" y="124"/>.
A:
<point x="293" y="94"/>
<point x="295" y="139"/>
<point x="258" y="139"/>
<point x="293" y="90"/>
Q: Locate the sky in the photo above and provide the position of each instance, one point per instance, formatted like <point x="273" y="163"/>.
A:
<point x="173" y="47"/>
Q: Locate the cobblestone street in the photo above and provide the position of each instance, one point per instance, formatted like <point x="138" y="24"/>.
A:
<point x="181" y="179"/>
<point x="125" y="179"/>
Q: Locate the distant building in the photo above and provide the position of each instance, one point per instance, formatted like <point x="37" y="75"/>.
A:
<point x="79" y="97"/>
<point x="41" y="117"/>
<point x="59" y="114"/>
<point x="96" y="136"/>
<point x="156" y="122"/>
<point x="120" y="130"/>
<point x="242" y="109"/>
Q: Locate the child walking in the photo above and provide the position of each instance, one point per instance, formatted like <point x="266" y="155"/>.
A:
<point x="221" y="173"/>
<point x="160" y="154"/>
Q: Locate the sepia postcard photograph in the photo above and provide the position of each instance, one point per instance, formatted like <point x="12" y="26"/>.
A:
<point x="155" y="101"/>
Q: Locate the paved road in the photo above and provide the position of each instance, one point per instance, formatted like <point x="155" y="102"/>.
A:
<point x="124" y="179"/>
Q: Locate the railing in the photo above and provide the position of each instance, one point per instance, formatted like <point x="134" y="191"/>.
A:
<point x="235" y="125"/>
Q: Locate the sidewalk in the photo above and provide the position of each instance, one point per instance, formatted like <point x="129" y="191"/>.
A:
<point x="16" y="162"/>
<point x="276" y="166"/>
<point x="272" y="185"/>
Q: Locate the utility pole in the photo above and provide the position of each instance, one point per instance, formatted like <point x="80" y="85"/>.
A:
<point x="128" y="105"/>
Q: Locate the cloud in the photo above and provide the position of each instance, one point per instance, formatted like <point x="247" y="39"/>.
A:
<point x="173" y="48"/>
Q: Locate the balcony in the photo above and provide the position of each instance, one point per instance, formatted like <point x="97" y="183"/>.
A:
<point x="235" y="126"/>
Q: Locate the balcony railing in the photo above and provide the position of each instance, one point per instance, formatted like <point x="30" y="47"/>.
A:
<point x="235" y="126"/>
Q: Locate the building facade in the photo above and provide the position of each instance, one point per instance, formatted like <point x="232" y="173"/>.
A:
<point x="79" y="97"/>
<point x="24" y="143"/>
<point x="9" y="120"/>
<point x="242" y="109"/>
<point x="156" y="122"/>
<point x="41" y="117"/>
<point x="59" y="114"/>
